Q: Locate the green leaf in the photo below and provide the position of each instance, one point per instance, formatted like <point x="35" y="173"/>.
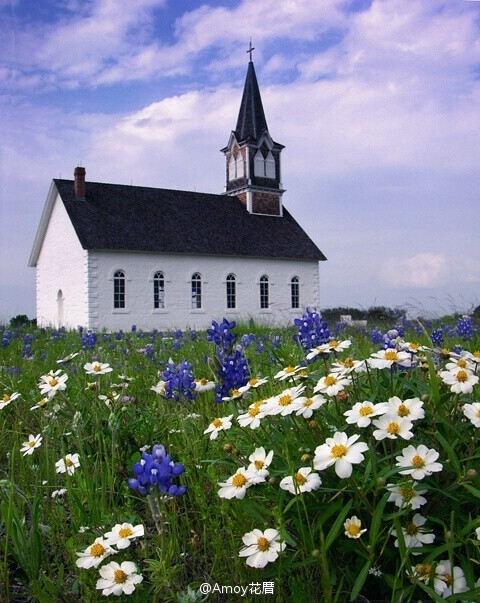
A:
<point x="450" y="452"/>
<point x="377" y="519"/>
<point x="360" y="581"/>
<point x="335" y="529"/>
<point x="472" y="490"/>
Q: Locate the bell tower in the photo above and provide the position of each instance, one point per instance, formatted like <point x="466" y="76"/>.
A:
<point x="252" y="157"/>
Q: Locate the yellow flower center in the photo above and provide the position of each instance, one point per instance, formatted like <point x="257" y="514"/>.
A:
<point x="119" y="576"/>
<point x="289" y="369"/>
<point x="462" y="376"/>
<point x="393" y="428"/>
<point x="423" y="569"/>
<point x="125" y="532"/>
<point x="403" y="411"/>
<point x="414" y="346"/>
<point x="300" y="479"/>
<point x="53" y="382"/>
<point x="97" y="368"/>
<point x="217" y="423"/>
<point x="478" y="413"/>
<point x="235" y="393"/>
<point x="203" y="381"/>
<point x="365" y="411"/>
<point x="285" y="400"/>
<point x="406" y="493"/>
<point x="97" y="550"/>
<point x="258" y="464"/>
<point x="253" y="381"/>
<point x="462" y="363"/>
<point x="308" y="402"/>
<point x="253" y="412"/>
<point x="417" y="461"/>
<point x="448" y="579"/>
<point x="348" y="363"/>
<point x="412" y="529"/>
<point x="239" y="480"/>
<point x="31" y="443"/>
<point x="390" y="355"/>
<point x="263" y="544"/>
<point x="258" y="403"/>
<point x="68" y="462"/>
<point x="330" y="380"/>
<point x="338" y="450"/>
<point x="353" y="529"/>
<point x="477" y="354"/>
<point x="333" y="344"/>
<point x="6" y="398"/>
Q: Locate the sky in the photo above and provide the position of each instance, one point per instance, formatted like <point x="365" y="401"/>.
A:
<point x="376" y="101"/>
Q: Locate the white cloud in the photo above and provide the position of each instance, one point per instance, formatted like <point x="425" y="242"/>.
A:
<point x="424" y="270"/>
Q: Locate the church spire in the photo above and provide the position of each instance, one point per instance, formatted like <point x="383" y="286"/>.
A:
<point x="251" y="122"/>
<point x="252" y="156"/>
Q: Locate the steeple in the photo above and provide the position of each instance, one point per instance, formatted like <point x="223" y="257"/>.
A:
<point x="252" y="156"/>
<point x="251" y="122"/>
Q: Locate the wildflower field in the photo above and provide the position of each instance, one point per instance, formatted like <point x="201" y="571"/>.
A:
<point x="311" y="463"/>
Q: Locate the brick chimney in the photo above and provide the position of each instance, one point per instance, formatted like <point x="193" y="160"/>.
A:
<point x="79" y="184"/>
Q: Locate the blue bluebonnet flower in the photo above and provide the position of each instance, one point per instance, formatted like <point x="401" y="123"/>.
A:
<point x="312" y="329"/>
<point x="179" y="380"/>
<point x="119" y="335"/>
<point x="246" y="340"/>
<point x="193" y="335"/>
<point x="89" y="340"/>
<point x="26" y="351"/>
<point x="27" y="338"/>
<point x="437" y="336"/>
<point x="157" y="470"/>
<point x="465" y="328"/>
<point x="233" y="372"/>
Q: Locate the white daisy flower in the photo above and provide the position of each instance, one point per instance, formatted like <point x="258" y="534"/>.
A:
<point x="57" y="493"/>
<point x="203" y="385"/>
<point x="235" y="394"/>
<point x="236" y="485"/>
<point x="341" y="451"/>
<point x="304" y="407"/>
<point x="97" y="368"/>
<point x="362" y="413"/>
<point x="332" y="384"/>
<point x="33" y="442"/>
<point x="7" y="398"/>
<point x="253" y="383"/>
<point x="159" y="388"/>
<point x="353" y="527"/>
<point x="472" y="412"/>
<point x="283" y="403"/>
<point x="259" y="461"/>
<point x="67" y="358"/>
<point x="68" y="464"/>
<point x="52" y="383"/>
<point x="420" y="461"/>
<point x="253" y="415"/>
<point x="348" y="366"/>
<point x="425" y="571"/>
<point x="261" y="547"/>
<point x="122" y="534"/>
<point x="460" y="381"/>
<point x="94" y="554"/>
<point x="406" y="495"/>
<point x="460" y="363"/>
<point x="40" y="404"/>
<point x="454" y="578"/>
<point x="117" y="579"/>
<point x="302" y="481"/>
<point x="392" y="427"/>
<point x="477" y="532"/>
<point x="414" y="535"/>
<point x="218" y="424"/>
<point x="387" y="358"/>
<point x="411" y="409"/>
<point x="287" y="372"/>
<point x="412" y="347"/>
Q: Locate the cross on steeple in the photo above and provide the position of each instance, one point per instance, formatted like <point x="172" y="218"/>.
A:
<point x="250" y="50"/>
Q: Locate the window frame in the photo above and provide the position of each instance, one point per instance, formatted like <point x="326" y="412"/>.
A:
<point x="264" y="283"/>
<point x="196" y="291"/>
<point x="295" y="293"/>
<point x="231" y="291"/>
<point x="159" y="290"/>
<point x="119" y="290"/>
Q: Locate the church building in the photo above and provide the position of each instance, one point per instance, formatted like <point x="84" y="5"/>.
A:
<point x="112" y="256"/>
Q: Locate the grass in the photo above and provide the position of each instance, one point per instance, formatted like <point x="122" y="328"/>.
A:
<point x="196" y="538"/>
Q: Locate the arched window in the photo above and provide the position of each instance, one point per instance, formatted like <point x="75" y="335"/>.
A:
<point x="232" y="173"/>
<point x="240" y="166"/>
<point x="60" y="308"/>
<point x="259" y="164"/>
<point x="119" y="289"/>
<point x="264" y="302"/>
<point x="158" y="290"/>
<point x="196" y="291"/>
<point x="269" y="166"/>
<point x="295" y="291"/>
<point x="231" y="291"/>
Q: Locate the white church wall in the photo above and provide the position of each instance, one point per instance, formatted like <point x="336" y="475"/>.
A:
<point x="61" y="274"/>
<point x="139" y="269"/>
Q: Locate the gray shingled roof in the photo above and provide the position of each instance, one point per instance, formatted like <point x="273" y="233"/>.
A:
<point x="251" y="122"/>
<point x="135" y="218"/>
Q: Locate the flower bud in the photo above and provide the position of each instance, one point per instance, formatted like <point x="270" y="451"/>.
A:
<point x="381" y="481"/>
<point x="305" y="458"/>
<point x="272" y="481"/>
<point x="342" y="396"/>
<point x="315" y="553"/>
<point x="236" y="451"/>
<point x="228" y="448"/>
<point x="471" y="474"/>
<point x="312" y="424"/>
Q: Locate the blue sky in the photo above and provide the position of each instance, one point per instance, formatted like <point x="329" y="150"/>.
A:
<point x="376" y="101"/>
